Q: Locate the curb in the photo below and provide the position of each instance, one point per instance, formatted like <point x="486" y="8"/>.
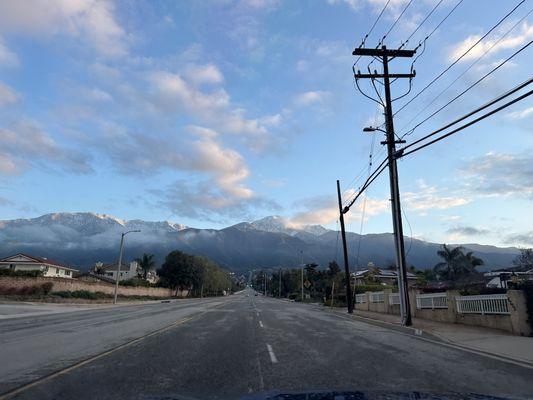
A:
<point x="390" y="325"/>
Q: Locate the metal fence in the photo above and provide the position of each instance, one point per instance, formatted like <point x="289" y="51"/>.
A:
<point x="431" y="300"/>
<point x="394" y="298"/>
<point x="360" y="298"/>
<point x="377" y="297"/>
<point x="483" y="304"/>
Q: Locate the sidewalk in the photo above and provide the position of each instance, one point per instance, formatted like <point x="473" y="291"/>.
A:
<point x="485" y="340"/>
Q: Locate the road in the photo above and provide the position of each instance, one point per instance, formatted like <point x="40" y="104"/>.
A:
<point x="227" y="348"/>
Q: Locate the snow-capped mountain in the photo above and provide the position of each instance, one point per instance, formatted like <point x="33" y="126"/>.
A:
<point x="81" y="239"/>
<point x="277" y="224"/>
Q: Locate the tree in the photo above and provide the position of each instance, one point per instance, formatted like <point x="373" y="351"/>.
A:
<point x="146" y="263"/>
<point x="178" y="271"/>
<point x="333" y="269"/>
<point x="524" y="261"/>
<point x="456" y="264"/>
<point x="452" y="257"/>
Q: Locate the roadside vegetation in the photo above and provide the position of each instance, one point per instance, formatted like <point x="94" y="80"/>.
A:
<point x="201" y="276"/>
<point x="457" y="270"/>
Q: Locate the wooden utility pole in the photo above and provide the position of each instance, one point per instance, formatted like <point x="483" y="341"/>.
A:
<point x="385" y="55"/>
<point x="345" y="250"/>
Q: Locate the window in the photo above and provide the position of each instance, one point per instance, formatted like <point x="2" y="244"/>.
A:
<point x="67" y="272"/>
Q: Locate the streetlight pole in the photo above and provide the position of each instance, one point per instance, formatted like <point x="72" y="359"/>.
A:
<point x="279" y="290"/>
<point x="120" y="262"/>
<point x="302" y="264"/>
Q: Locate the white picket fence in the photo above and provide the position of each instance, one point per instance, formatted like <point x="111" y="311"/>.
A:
<point x="377" y="297"/>
<point x="394" y="298"/>
<point x="431" y="300"/>
<point x="360" y="298"/>
<point x="483" y="304"/>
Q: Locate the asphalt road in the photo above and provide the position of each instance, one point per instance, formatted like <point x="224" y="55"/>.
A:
<point x="233" y="347"/>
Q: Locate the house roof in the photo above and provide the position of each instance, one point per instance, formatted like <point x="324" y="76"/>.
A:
<point x="102" y="278"/>
<point x="36" y="260"/>
<point x="383" y="273"/>
<point x="113" y="267"/>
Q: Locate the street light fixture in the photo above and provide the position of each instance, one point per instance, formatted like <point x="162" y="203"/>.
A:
<point x="120" y="261"/>
<point x="373" y="129"/>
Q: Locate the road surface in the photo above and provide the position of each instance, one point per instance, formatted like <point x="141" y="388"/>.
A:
<point x="227" y="348"/>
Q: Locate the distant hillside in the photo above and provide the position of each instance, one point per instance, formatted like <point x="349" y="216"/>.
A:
<point x="81" y="239"/>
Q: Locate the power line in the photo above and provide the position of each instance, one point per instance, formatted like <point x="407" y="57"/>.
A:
<point x="373" y="176"/>
<point x="420" y="24"/>
<point x="394" y="24"/>
<point x="484" y="106"/>
<point x="423" y="42"/>
<point x="372" y="28"/>
<point x="519" y="98"/>
<point x="458" y="59"/>
<point x="468" y="88"/>
<point x="465" y="71"/>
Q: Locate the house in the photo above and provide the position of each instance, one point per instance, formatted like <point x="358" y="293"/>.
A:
<point x="110" y="270"/>
<point x="499" y="279"/>
<point x="381" y="276"/>
<point x="49" y="268"/>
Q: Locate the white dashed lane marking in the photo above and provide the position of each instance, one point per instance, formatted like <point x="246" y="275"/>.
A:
<point x="272" y="355"/>
<point x="261" y="324"/>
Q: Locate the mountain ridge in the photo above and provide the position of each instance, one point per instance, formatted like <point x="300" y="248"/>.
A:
<point x="82" y="238"/>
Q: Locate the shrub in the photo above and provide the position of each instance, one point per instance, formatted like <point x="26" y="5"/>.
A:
<point x="135" y="282"/>
<point x="10" y="272"/>
<point x="373" y="288"/>
<point x="81" y="294"/>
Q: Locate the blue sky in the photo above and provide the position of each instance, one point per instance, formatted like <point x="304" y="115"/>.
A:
<point x="211" y="113"/>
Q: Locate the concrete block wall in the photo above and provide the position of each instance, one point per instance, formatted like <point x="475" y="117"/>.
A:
<point x="516" y="322"/>
<point x="76" y="284"/>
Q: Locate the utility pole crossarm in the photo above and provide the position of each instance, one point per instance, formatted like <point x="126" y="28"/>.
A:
<point x="376" y="76"/>
<point x="383" y="52"/>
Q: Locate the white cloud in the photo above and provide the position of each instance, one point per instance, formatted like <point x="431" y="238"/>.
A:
<point x="91" y="21"/>
<point x="312" y="97"/>
<point x="324" y="210"/>
<point x="509" y="42"/>
<point x="500" y="174"/>
<point x="200" y="74"/>
<point x="7" y="95"/>
<point x="24" y="144"/>
<point x="7" y="57"/>
<point x="214" y="108"/>
<point x="428" y="198"/>
<point x="353" y="4"/>
<point x="526" y="112"/>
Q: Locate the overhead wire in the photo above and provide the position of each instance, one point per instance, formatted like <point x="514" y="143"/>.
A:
<point x="372" y="28"/>
<point x="394" y="24"/>
<point x="420" y="25"/>
<point x="468" y="88"/>
<point x="466" y="70"/>
<point x="402" y="153"/>
<point x="458" y="58"/>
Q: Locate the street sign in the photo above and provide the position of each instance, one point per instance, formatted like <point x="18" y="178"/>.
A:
<point x="307" y="284"/>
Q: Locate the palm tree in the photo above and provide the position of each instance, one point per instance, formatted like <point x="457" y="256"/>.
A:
<point x="453" y="258"/>
<point x="146" y="263"/>
<point x="471" y="262"/>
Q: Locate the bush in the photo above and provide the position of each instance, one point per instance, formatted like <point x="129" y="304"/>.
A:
<point x="373" y="288"/>
<point x="28" y="290"/>
<point x="10" y="272"/>
<point x="81" y="294"/>
<point x="135" y="282"/>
